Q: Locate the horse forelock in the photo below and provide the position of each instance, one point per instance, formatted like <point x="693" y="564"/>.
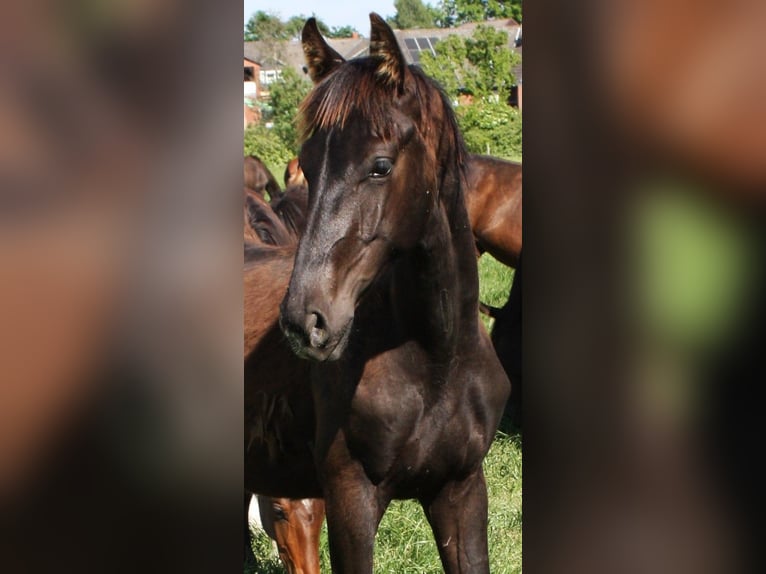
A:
<point x="356" y="89"/>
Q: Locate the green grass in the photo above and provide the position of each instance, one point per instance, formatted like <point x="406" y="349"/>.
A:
<point x="405" y="544"/>
<point x="494" y="284"/>
<point x="278" y="171"/>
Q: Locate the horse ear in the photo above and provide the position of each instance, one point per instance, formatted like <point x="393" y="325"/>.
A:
<point x="321" y="59"/>
<point x="383" y="45"/>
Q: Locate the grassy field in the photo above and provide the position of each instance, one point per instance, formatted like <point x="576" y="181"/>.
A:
<point x="404" y="544"/>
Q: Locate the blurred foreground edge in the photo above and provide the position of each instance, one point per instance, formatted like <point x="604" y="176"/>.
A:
<point x="645" y="178"/>
<point x="120" y="297"/>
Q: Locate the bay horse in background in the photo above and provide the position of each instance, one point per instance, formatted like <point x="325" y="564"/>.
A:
<point x="293" y="524"/>
<point x="281" y="220"/>
<point x="259" y="179"/>
<point x="494" y="203"/>
<point x="261" y="224"/>
<point x="406" y="390"/>
<point x="493" y="200"/>
<point x="292" y="209"/>
<point x="294" y="173"/>
<point x="267" y="271"/>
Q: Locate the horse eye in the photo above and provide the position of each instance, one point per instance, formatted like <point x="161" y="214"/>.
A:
<point x="279" y="512"/>
<point x="381" y="168"/>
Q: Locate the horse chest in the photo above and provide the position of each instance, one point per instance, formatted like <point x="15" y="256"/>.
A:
<point x="403" y="428"/>
<point x="384" y="414"/>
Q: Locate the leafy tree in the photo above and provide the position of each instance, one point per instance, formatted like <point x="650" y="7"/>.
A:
<point x="342" y="32"/>
<point x="455" y="12"/>
<point x="413" y="14"/>
<point x="295" y="24"/>
<point x="449" y="65"/>
<point x="491" y="127"/>
<point x="265" y="26"/>
<point x="286" y="95"/>
<point x="480" y="65"/>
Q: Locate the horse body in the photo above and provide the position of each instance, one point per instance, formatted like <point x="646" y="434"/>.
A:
<point x="266" y="275"/>
<point x="259" y="179"/>
<point x="493" y="200"/>
<point x="279" y="417"/>
<point x="292" y="208"/>
<point x="262" y="224"/>
<point x="407" y="390"/>
<point x="278" y="407"/>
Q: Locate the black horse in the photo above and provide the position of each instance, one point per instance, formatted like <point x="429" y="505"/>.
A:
<point x="407" y="390"/>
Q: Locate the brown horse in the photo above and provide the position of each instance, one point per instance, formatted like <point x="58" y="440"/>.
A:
<point x="266" y="274"/>
<point x="295" y="526"/>
<point x="405" y="388"/>
<point x="292" y="209"/>
<point x="493" y="200"/>
<point x="262" y="224"/>
<point x="279" y="410"/>
<point x="294" y="173"/>
<point x="259" y="179"/>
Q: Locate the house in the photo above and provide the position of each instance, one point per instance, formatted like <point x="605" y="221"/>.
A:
<point x="252" y="78"/>
<point x="252" y="91"/>
<point x="274" y="55"/>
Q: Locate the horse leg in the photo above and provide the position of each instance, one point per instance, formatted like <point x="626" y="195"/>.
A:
<point x="353" y="511"/>
<point x="458" y="518"/>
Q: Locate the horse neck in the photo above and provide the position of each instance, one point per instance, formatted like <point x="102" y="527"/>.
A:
<point x="437" y="282"/>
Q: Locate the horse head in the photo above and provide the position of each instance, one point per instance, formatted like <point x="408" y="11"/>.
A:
<point x="373" y="148"/>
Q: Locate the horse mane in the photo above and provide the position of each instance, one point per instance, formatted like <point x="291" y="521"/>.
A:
<point x="356" y="88"/>
<point x="266" y="224"/>
<point x="258" y="177"/>
<point x="292" y="208"/>
<point x="257" y="253"/>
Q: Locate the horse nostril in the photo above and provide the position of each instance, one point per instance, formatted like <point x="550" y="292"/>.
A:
<point x="316" y="327"/>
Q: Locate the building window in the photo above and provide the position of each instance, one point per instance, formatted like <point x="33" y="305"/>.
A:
<point x="270" y="76"/>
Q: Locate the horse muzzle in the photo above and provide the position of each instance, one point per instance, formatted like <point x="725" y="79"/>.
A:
<point x="312" y="335"/>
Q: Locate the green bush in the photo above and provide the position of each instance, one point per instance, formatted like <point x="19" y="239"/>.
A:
<point x="264" y="143"/>
<point x="491" y="128"/>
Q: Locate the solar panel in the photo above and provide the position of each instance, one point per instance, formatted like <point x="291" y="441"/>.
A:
<point x="410" y="43"/>
<point x="423" y="44"/>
